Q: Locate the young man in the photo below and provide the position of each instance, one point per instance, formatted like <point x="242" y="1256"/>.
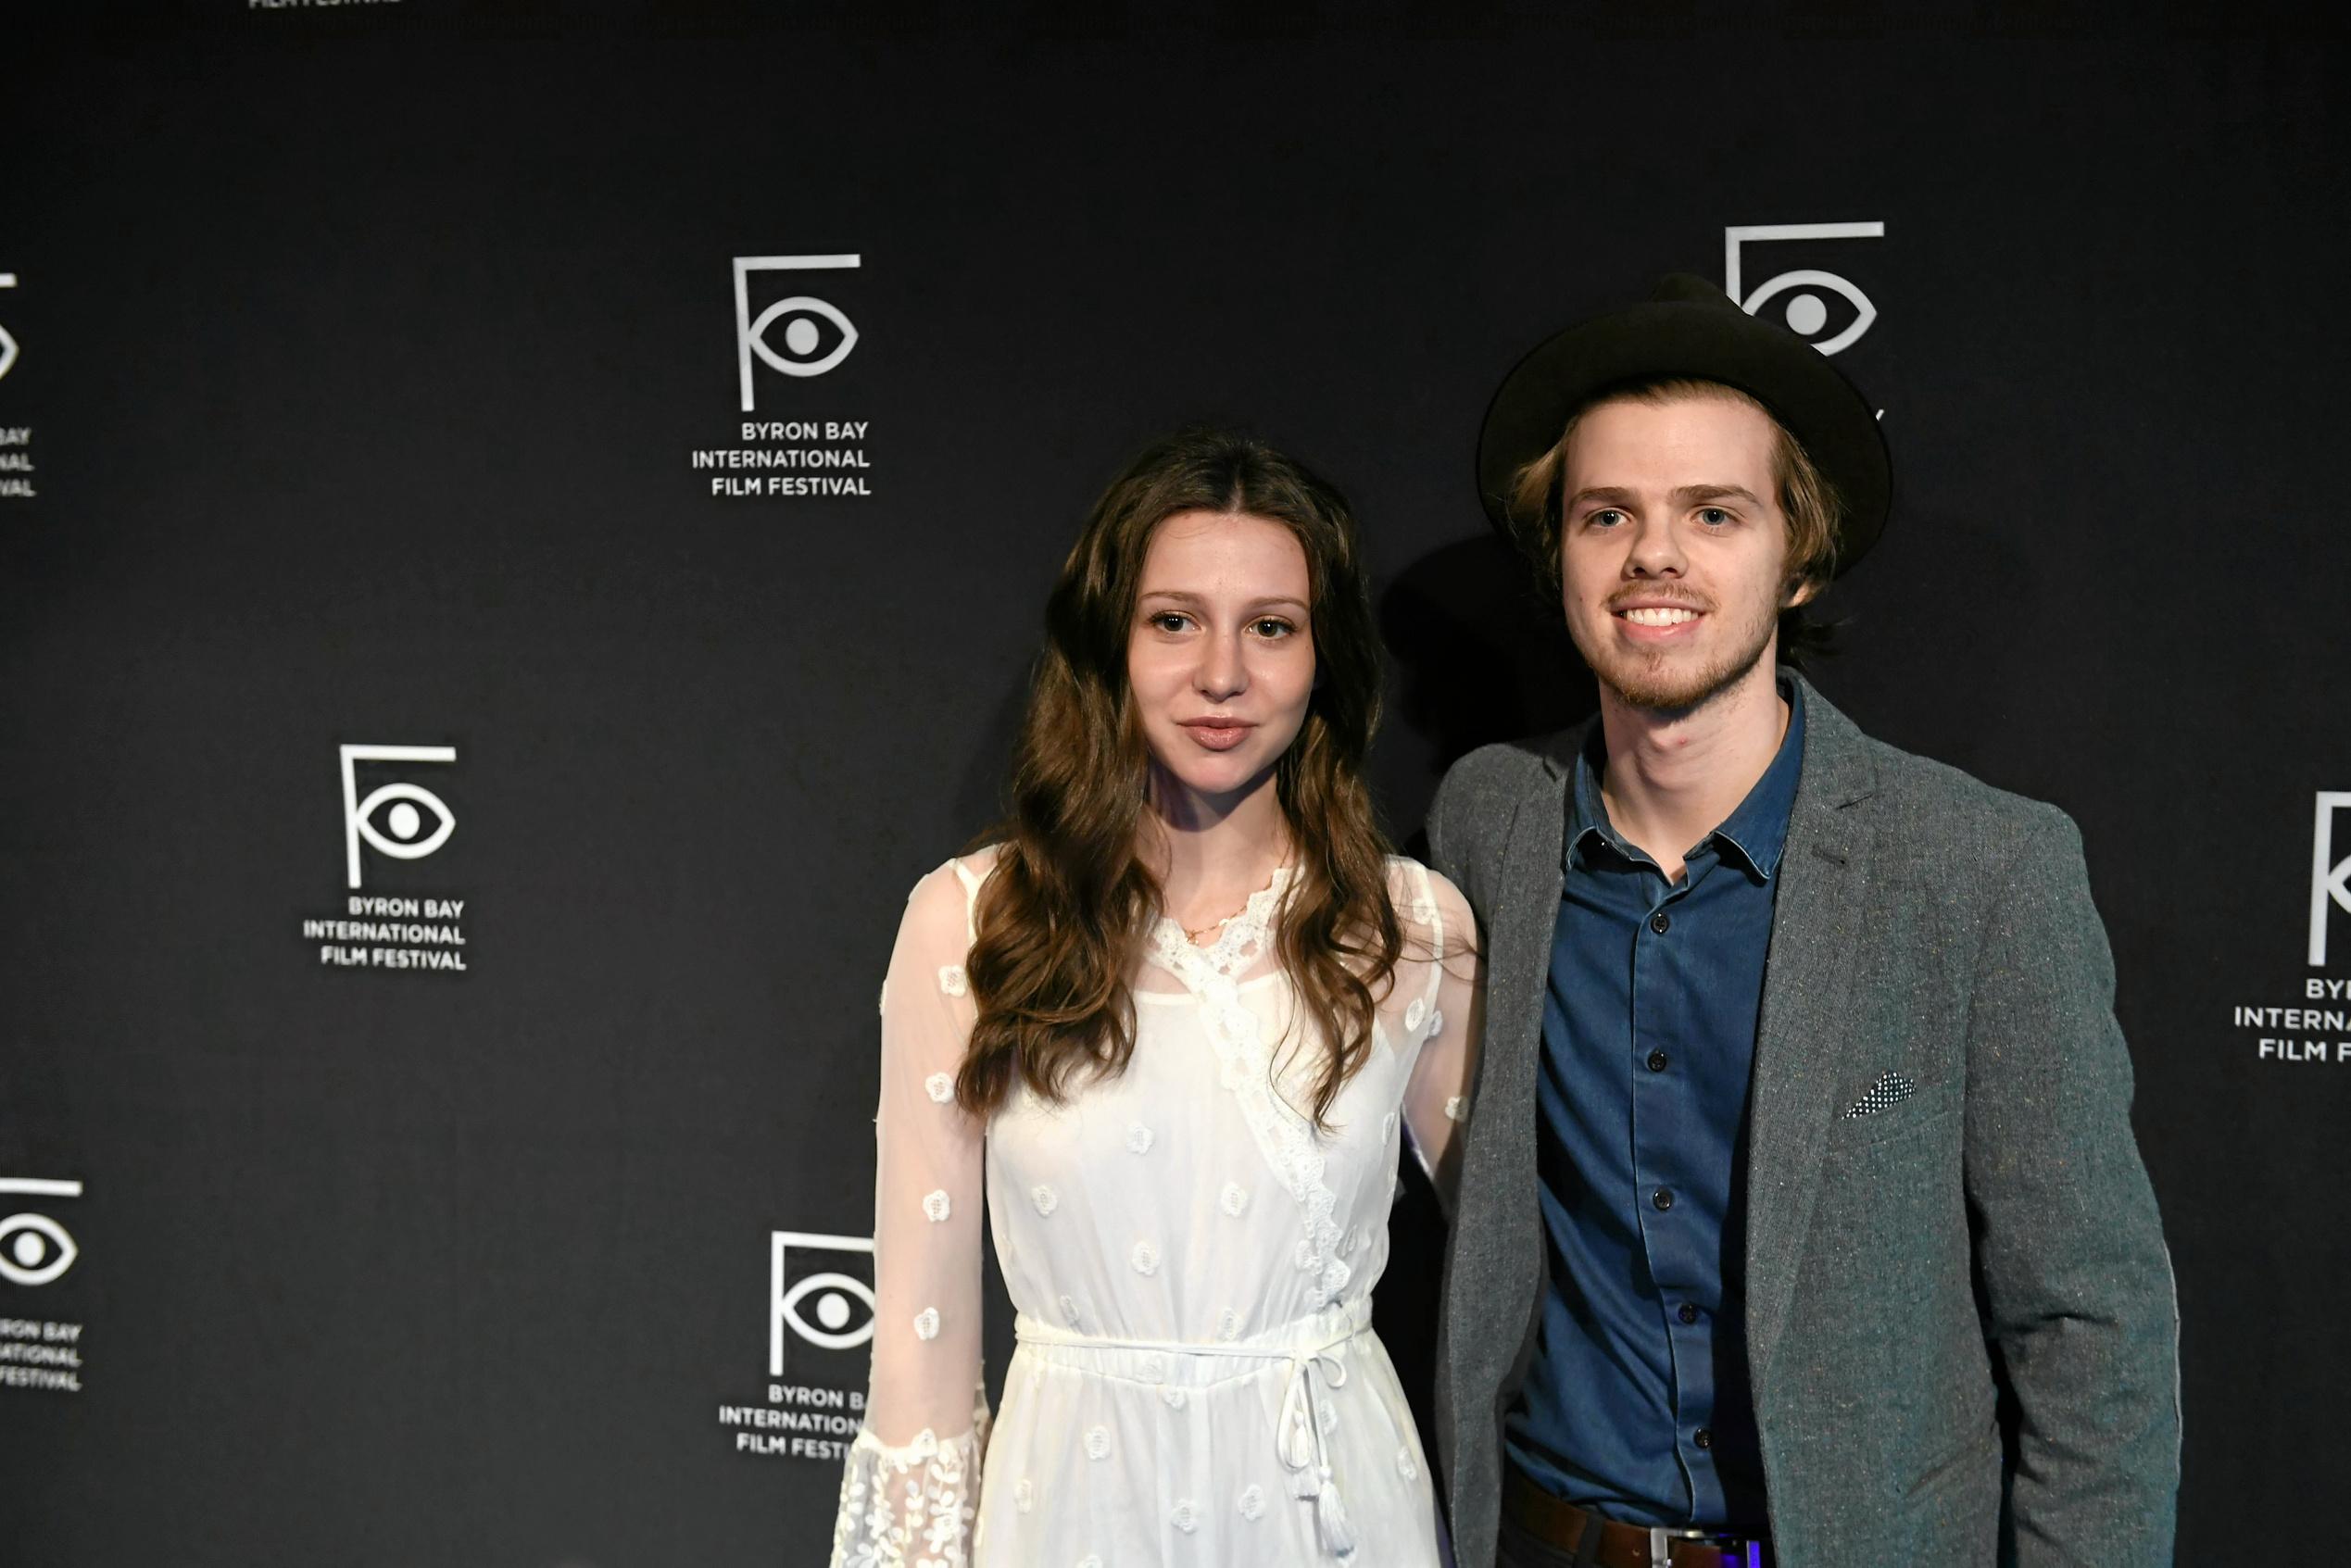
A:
<point x="1800" y="1217"/>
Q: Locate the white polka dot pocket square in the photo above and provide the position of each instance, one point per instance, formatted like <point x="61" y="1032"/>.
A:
<point x="1889" y="1090"/>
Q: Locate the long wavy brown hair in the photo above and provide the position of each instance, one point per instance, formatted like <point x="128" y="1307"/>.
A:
<point x="1064" y="915"/>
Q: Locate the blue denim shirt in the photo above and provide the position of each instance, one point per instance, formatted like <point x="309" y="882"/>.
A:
<point x="1638" y="1405"/>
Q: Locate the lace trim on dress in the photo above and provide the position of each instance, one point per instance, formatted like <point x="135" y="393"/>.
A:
<point x="1283" y="1136"/>
<point x="909" y="1507"/>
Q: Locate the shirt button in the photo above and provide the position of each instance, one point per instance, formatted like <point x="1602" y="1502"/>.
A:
<point x="1703" y="1437"/>
<point x="1663" y="1199"/>
<point x="1656" y="1061"/>
<point x="1661" y="922"/>
<point x="1688" y="1313"/>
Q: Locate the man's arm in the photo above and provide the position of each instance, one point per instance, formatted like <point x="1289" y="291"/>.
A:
<point x="2077" y="1282"/>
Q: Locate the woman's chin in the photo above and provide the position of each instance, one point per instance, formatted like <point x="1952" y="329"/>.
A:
<point x="1223" y="777"/>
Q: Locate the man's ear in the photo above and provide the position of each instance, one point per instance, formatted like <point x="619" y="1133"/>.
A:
<point x="1803" y="593"/>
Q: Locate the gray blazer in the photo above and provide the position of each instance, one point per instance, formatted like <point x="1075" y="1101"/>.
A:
<point x="1983" y="1256"/>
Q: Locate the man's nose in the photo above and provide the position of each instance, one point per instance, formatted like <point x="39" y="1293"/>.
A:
<point x="1656" y="550"/>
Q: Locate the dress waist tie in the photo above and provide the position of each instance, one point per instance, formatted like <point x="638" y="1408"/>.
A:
<point x="1314" y="1347"/>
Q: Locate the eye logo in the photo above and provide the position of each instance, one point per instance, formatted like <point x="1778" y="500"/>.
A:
<point x="8" y="343"/>
<point x="1805" y="313"/>
<point x="824" y="1306"/>
<point x="402" y="834"/>
<point x="802" y="315"/>
<point x="34" y="1249"/>
<point x="2329" y="878"/>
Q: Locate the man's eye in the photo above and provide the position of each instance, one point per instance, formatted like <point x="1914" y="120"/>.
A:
<point x="1607" y="517"/>
<point x="1713" y="516"/>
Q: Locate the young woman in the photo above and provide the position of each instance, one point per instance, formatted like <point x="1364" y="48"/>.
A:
<point x="1172" y="1026"/>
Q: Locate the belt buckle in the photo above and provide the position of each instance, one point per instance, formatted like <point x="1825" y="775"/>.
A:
<point x="1738" y="1548"/>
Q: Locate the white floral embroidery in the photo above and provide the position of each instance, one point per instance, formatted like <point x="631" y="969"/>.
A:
<point x="1436" y="1023"/>
<point x="1176" y="1398"/>
<point x="911" y="1504"/>
<point x="1246" y="1068"/>
<point x="1234" y="1198"/>
<point x="1457" y="1109"/>
<point x="1229" y="1324"/>
<point x="1415" y="1012"/>
<point x="1097" y="1442"/>
<point x="1387" y="1126"/>
<point x="1304" y="1254"/>
<point x="936" y="1205"/>
<point x="1153" y="1367"/>
<point x="1023" y="1494"/>
<point x="1252" y="1502"/>
<point x="1145" y="1258"/>
<point x="926" y="1323"/>
<point x="952" y="981"/>
<point x="1184" y="1515"/>
<point x="1404" y="1465"/>
<point x="939" y="1086"/>
<point x="1138" y="1138"/>
<point x="1044" y="1199"/>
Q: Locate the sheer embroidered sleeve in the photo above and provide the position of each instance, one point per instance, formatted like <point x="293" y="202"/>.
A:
<point x="909" y="1491"/>
<point x="1443" y="1010"/>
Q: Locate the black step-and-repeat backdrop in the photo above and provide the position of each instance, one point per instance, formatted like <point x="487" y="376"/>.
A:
<point x="523" y="527"/>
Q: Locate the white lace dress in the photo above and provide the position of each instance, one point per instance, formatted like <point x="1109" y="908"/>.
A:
<point x="1197" y="1380"/>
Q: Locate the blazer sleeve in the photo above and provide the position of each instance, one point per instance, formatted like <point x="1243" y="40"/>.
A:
<point x="2081" y="1309"/>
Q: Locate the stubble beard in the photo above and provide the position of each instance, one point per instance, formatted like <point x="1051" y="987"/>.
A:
<point x="1652" y="683"/>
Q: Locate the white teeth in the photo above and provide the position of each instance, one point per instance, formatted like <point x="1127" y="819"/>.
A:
<point x="1660" y="617"/>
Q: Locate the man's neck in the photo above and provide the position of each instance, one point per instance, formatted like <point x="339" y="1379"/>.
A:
<point x="1674" y="775"/>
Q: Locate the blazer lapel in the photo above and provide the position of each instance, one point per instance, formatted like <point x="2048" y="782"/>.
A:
<point x="1496" y="1222"/>
<point x="1525" y="916"/>
<point x="1802" y="1039"/>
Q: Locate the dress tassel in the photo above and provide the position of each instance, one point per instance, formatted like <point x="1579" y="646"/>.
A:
<point x="1331" y="1516"/>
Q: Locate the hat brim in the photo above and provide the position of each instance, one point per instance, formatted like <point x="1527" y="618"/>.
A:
<point x="1695" y="338"/>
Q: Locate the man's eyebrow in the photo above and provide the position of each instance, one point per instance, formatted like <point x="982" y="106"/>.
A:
<point x="1688" y="493"/>
<point x="1611" y="493"/>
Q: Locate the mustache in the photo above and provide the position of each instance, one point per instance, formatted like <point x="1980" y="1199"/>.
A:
<point x="1677" y="597"/>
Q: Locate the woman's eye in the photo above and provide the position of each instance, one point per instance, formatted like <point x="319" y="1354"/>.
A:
<point x="1168" y="620"/>
<point x="1270" y="628"/>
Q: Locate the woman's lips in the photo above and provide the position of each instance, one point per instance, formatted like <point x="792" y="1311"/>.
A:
<point x="1218" y="734"/>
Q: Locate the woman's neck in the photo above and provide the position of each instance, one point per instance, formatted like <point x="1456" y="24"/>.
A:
<point x="1211" y="852"/>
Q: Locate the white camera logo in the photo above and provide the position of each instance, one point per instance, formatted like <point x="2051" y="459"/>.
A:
<point x="822" y="1308"/>
<point x="1805" y="312"/>
<point x="34" y="1249"/>
<point x="407" y="839"/>
<point x="2329" y="878"/>
<point x="800" y="334"/>
<point x="8" y="343"/>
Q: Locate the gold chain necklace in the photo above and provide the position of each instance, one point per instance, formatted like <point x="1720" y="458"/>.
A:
<point x="1194" y="934"/>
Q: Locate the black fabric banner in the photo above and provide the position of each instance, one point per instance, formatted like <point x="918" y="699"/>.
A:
<point x="522" y="528"/>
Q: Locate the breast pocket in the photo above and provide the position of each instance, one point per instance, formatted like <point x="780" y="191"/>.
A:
<point x="1889" y="1109"/>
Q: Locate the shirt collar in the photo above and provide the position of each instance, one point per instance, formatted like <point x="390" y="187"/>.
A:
<point x="1756" y="832"/>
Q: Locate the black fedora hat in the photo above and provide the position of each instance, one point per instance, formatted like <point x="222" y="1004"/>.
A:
<point x="1689" y="327"/>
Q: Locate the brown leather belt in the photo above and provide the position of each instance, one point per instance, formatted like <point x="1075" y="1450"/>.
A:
<point x="1562" y="1526"/>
